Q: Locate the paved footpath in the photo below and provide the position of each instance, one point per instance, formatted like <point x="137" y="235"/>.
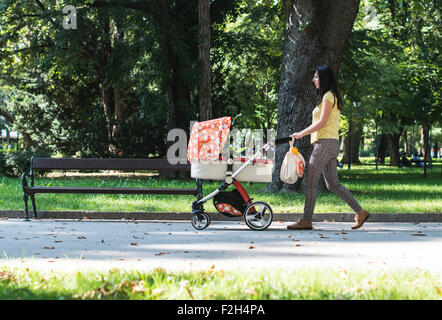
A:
<point x="175" y="245"/>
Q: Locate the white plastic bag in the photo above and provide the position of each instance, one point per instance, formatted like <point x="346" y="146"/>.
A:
<point x="289" y="167"/>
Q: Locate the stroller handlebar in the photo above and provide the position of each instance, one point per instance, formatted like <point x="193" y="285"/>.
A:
<point x="282" y="140"/>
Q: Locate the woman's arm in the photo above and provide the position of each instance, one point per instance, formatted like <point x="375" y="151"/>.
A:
<point x="325" y="114"/>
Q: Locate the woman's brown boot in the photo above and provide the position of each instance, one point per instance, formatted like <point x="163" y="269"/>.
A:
<point x="301" y="225"/>
<point x="360" y="218"/>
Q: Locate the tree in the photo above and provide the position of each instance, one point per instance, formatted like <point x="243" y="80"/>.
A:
<point x="413" y="28"/>
<point x="247" y="55"/>
<point x="205" y="102"/>
<point x="316" y="33"/>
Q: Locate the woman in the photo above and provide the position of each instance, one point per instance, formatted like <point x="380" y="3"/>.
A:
<point x="325" y="140"/>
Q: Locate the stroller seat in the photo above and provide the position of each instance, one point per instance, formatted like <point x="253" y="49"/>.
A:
<point x="260" y="171"/>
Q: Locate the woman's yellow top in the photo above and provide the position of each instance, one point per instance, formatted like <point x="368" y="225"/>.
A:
<point x="330" y="130"/>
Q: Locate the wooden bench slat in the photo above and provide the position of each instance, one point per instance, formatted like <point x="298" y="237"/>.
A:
<point x="107" y="164"/>
<point x="34" y="190"/>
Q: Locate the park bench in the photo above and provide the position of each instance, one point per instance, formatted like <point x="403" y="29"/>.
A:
<point x="415" y="162"/>
<point x="99" y="164"/>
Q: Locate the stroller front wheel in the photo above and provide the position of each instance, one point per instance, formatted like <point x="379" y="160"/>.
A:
<point x="200" y="220"/>
<point x="258" y="215"/>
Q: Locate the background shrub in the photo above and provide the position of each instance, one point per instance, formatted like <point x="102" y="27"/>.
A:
<point x="17" y="162"/>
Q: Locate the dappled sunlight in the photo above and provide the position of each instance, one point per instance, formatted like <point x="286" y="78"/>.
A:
<point x="83" y="244"/>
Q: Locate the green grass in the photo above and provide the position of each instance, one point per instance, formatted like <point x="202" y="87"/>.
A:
<point x="387" y="190"/>
<point x="303" y="284"/>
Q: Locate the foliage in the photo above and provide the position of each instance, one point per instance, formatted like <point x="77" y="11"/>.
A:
<point x="55" y="81"/>
<point x="247" y="55"/>
<point x="17" y="162"/>
<point x="58" y="80"/>
<point x="392" y="67"/>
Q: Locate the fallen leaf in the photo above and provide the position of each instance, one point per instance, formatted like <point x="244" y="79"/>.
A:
<point x="251" y="247"/>
<point x="158" y="291"/>
<point x="49" y="247"/>
<point x="250" y="291"/>
<point x="81" y="237"/>
<point x="161" y="253"/>
<point x="57" y="241"/>
<point x="134" y="244"/>
<point x="5" y="275"/>
<point x="419" y="234"/>
<point x="138" y="286"/>
<point x="189" y="292"/>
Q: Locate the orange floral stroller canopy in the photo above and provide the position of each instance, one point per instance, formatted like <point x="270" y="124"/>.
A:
<point x="204" y="152"/>
<point x="207" y="139"/>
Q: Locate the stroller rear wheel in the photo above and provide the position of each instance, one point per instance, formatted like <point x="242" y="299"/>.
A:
<point x="200" y="220"/>
<point x="258" y="215"/>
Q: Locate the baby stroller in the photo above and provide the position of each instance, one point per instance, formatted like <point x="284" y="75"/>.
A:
<point x="204" y="152"/>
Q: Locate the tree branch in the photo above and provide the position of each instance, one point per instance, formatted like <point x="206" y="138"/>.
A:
<point x="154" y="7"/>
<point x="32" y="48"/>
<point x="42" y="7"/>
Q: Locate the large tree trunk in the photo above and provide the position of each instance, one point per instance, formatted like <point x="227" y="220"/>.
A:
<point x="425" y="135"/>
<point x="316" y="33"/>
<point x="205" y="104"/>
<point x="109" y="95"/>
<point x="393" y="143"/>
<point x="393" y="139"/>
<point x="382" y="150"/>
<point x="426" y="146"/>
<point x="355" y="140"/>
<point x="407" y="150"/>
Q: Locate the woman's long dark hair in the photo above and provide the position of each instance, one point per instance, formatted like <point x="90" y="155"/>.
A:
<point x="327" y="82"/>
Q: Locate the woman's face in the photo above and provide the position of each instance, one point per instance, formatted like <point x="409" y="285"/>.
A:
<point x="316" y="79"/>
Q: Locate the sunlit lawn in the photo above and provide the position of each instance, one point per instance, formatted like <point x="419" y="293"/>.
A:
<point x="303" y="284"/>
<point x="386" y="190"/>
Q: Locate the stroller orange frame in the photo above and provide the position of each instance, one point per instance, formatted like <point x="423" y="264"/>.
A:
<point x="206" y="143"/>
